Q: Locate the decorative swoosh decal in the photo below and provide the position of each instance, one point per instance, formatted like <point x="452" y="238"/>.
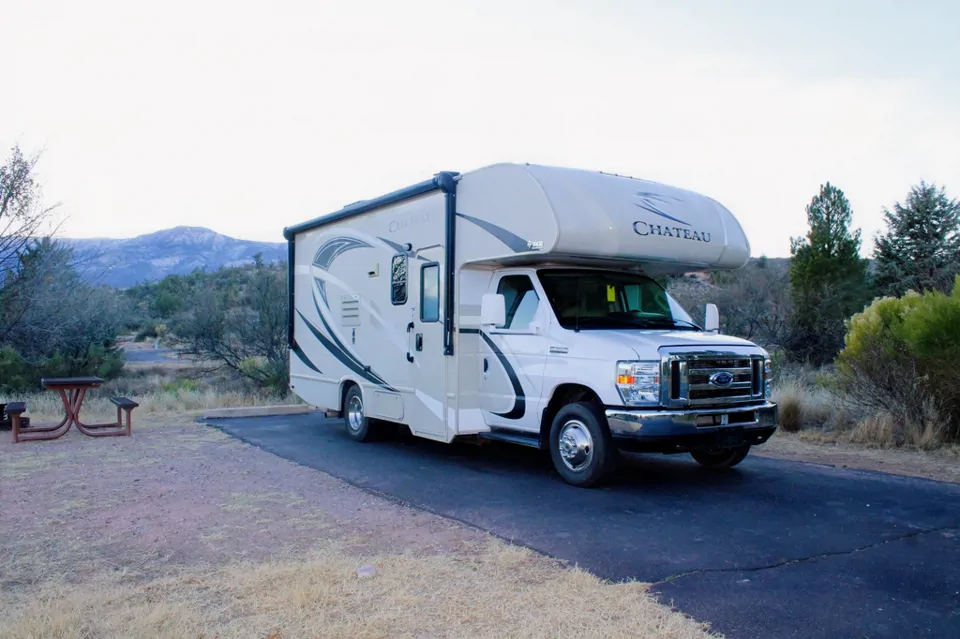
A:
<point x="515" y="242"/>
<point x="345" y="358"/>
<point x="330" y="249"/>
<point x="322" y="259"/>
<point x="306" y="360"/>
<point x="519" y="402"/>
<point x="647" y="203"/>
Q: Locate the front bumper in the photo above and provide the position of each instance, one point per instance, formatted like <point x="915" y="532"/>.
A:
<point x="675" y="431"/>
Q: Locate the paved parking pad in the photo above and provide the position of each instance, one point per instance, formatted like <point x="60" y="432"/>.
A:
<point x="771" y="549"/>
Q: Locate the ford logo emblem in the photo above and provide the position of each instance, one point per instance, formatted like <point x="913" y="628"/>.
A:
<point x="721" y="379"/>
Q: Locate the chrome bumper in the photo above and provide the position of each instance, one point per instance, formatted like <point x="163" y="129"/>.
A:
<point x="664" y="424"/>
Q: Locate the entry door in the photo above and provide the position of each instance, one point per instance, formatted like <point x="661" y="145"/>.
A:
<point x="513" y="357"/>
<point x="426" y="363"/>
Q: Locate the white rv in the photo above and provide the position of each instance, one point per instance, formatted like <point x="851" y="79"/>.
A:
<point x="518" y="303"/>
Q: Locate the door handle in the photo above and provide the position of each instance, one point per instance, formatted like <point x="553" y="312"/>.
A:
<point x="419" y="342"/>
<point x="486" y="367"/>
<point x="409" y="356"/>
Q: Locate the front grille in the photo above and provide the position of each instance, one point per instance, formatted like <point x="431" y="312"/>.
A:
<point x="703" y="379"/>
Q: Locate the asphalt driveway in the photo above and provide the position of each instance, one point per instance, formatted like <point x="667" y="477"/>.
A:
<point x="771" y="549"/>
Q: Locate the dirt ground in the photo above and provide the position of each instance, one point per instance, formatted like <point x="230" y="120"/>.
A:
<point x="181" y="530"/>
<point x="942" y="465"/>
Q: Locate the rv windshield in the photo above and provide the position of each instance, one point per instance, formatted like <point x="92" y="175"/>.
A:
<point x="587" y="299"/>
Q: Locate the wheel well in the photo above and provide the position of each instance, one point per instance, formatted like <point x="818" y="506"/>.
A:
<point x="562" y="395"/>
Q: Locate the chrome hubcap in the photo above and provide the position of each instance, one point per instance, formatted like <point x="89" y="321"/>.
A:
<point x="576" y="445"/>
<point x="355" y="413"/>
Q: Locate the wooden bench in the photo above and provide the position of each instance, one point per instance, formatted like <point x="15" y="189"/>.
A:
<point x="126" y="405"/>
<point x="14" y="410"/>
<point x="6" y="422"/>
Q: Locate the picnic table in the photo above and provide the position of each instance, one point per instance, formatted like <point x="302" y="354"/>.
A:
<point x="72" y="391"/>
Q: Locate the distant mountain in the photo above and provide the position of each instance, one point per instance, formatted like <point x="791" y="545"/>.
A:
<point x="176" y="251"/>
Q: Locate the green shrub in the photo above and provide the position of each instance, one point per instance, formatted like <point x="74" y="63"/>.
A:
<point x="180" y="385"/>
<point x="900" y="359"/>
<point x="15" y="373"/>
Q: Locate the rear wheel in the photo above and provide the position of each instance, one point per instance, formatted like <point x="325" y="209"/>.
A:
<point x="720" y="459"/>
<point x="359" y="426"/>
<point x="580" y="445"/>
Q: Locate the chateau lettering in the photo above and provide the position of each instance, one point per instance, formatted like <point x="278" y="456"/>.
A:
<point x="642" y="228"/>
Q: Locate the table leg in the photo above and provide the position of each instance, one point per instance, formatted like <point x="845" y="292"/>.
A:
<point x="49" y="432"/>
<point x="94" y="430"/>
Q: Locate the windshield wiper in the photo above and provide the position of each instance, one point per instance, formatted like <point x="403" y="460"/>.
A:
<point x="668" y="322"/>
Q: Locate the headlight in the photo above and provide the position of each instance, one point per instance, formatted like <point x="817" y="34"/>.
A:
<point x="639" y="383"/>
<point x="767" y="378"/>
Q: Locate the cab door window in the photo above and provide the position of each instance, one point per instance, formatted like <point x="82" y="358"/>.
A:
<point x="520" y="301"/>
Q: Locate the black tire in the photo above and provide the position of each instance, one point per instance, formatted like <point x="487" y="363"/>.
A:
<point x="582" y="424"/>
<point x="359" y="427"/>
<point x="721" y="459"/>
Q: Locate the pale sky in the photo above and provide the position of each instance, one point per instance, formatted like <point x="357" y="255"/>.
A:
<point x="248" y="117"/>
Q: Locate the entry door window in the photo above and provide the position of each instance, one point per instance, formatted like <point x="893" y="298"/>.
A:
<point x="430" y="293"/>
<point x="520" y="301"/>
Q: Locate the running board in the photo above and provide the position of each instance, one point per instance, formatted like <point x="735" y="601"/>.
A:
<point x="514" y="437"/>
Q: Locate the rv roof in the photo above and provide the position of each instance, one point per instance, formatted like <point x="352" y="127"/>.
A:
<point x="583" y="214"/>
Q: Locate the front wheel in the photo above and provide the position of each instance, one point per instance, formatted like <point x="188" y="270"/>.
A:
<point x="580" y="445"/>
<point x="721" y="458"/>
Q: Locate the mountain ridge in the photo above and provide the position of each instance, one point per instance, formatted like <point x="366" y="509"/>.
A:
<point x="180" y="250"/>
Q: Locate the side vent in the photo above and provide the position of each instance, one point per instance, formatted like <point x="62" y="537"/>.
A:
<point x="350" y="310"/>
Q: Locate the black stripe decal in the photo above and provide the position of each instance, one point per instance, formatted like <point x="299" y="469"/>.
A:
<point x="357" y="364"/>
<point x="514" y="241"/>
<point x="519" y="402"/>
<point x="306" y="360"/>
<point x="344" y="357"/>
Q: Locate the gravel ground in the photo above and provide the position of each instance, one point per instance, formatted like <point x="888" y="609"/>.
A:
<point x="184" y="494"/>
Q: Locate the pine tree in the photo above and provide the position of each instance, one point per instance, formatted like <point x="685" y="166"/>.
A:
<point x="921" y="250"/>
<point x="828" y="278"/>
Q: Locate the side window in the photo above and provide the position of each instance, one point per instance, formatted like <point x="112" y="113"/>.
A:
<point x="430" y="293"/>
<point x="520" y="300"/>
<point x="398" y="279"/>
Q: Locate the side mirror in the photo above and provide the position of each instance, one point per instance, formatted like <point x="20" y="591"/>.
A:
<point x="711" y="319"/>
<point x="493" y="311"/>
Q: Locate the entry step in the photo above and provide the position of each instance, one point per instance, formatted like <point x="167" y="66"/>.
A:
<point x="514" y="437"/>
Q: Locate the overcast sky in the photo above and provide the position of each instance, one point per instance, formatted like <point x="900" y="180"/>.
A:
<point x="245" y="117"/>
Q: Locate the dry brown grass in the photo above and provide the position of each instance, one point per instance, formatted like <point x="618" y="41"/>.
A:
<point x="803" y="406"/>
<point x="882" y="429"/>
<point x="498" y="591"/>
<point x="47" y="406"/>
<point x="819" y="416"/>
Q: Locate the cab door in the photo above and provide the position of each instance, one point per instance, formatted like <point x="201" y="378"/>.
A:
<point x="513" y="356"/>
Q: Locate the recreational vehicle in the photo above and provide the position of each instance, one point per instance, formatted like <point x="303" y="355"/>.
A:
<point x="521" y="303"/>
